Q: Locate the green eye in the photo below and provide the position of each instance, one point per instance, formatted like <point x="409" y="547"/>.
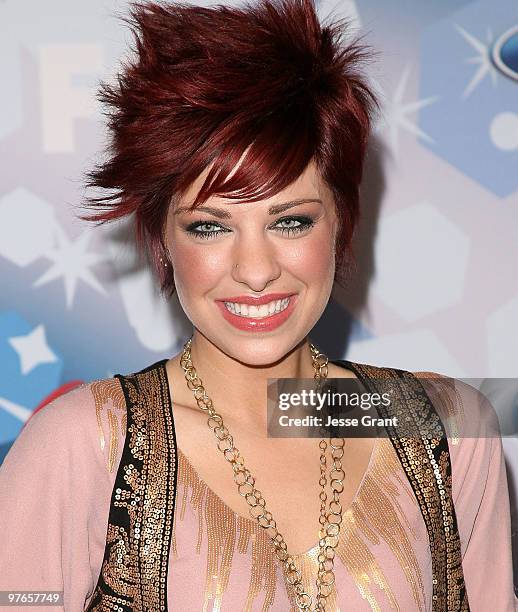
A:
<point x="196" y="229"/>
<point x="286" y="225"/>
<point x="296" y="224"/>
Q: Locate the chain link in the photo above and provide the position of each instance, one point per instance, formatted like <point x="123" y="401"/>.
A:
<point x="330" y="520"/>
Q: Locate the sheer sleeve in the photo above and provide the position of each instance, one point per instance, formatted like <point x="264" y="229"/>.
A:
<point x="480" y="493"/>
<point x="487" y="560"/>
<point x="55" y="490"/>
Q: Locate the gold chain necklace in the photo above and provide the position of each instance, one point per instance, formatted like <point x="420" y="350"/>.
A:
<point x="330" y="520"/>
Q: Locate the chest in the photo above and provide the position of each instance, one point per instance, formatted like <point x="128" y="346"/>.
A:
<point x="222" y="561"/>
<point x="287" y="473"/>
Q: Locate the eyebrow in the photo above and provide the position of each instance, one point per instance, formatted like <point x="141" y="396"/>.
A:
<point x="223" y="214"/>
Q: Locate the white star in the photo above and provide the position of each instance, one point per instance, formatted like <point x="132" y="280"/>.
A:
<point x="483" y="59"/>
<point x="72" y="262"/>
<point x="32" y="349"/>
<point x="395" y="113"/>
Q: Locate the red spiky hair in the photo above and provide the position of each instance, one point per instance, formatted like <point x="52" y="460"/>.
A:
<point x="208" y="83"/>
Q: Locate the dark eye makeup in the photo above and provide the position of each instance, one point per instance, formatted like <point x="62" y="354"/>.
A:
<point x="294" y="224"/>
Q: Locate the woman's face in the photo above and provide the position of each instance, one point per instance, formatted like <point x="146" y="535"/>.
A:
<point x="227" y="253"/>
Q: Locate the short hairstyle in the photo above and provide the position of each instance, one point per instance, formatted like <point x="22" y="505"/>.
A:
<point x="207" y="84"/>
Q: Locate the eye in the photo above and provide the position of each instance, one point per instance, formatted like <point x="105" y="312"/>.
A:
<point x="286" y="225"/>
<point x="294" y="225"/>
<point x="201" y="229"/>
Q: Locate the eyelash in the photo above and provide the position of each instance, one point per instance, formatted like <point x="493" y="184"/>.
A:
<point x="305" y="224"/>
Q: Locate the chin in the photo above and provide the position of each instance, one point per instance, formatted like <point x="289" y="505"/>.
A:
<point x="258" y="349"/>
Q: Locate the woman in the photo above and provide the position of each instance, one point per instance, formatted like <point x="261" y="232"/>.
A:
<point x="239" y="136"/>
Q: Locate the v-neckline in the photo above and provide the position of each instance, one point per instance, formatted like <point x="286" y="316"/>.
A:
<point x="248" y="519"/>
<point x="254" y="524"/>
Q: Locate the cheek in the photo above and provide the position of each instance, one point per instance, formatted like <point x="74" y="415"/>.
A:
<point x="311" y="259"/>
<point x="196" y="267"/>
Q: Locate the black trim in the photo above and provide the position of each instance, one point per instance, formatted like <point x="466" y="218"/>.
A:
<point x="174" y="446"/>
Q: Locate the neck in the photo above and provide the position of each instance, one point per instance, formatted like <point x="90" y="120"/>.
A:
<point x="237" y="389"/>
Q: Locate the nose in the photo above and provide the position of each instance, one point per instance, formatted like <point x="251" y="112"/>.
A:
<point x="255" y="263"/>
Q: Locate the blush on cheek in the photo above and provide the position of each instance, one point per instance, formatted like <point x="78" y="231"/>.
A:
<point x="197" y="270"/>
<point x="312" y="262"/>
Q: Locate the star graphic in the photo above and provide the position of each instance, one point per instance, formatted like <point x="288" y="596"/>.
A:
<point x="72" y="262"/>
<point x="483" y="59"/>
<point x="18" y="412"/>
<point x="32" y="349"/>
<point x="395" y="113"/>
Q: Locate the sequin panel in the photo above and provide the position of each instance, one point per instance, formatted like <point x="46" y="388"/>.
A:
<point x="133" y="574"/>
<point x="375" y="515"/>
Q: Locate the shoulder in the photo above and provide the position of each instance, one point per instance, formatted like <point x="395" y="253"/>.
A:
<point x="464" y="409"/>
<point x="474" y="440"/>
<point x="469" y="419"/>
<point x="81" y="423"/>
<point x="77" y="409"/>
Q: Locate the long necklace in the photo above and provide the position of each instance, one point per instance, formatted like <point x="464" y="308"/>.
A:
<point x="330" y="520"/>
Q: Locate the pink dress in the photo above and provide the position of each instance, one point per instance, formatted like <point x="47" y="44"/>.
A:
<point x="55" y="490"/>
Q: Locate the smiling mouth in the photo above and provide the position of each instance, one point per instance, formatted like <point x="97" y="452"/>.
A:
<point x="257" y="312"/>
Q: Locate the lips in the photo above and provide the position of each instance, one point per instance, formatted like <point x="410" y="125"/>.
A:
<point x="255" y="324"/>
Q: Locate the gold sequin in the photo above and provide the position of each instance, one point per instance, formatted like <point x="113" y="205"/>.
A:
<point x="108" y="395"/>
<point x="446" y="398"/>
<point x="134" y="566"/>
<point x="375" y="513"/>
<point x="226" y="532"/>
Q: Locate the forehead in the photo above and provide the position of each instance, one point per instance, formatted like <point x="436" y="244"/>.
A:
<point x="308" y="185"/>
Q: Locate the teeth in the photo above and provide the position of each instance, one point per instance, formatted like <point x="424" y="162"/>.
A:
<point x="257" y="312"/>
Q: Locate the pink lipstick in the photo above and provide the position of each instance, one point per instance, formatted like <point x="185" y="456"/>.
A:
<point x="254" y="324"/>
